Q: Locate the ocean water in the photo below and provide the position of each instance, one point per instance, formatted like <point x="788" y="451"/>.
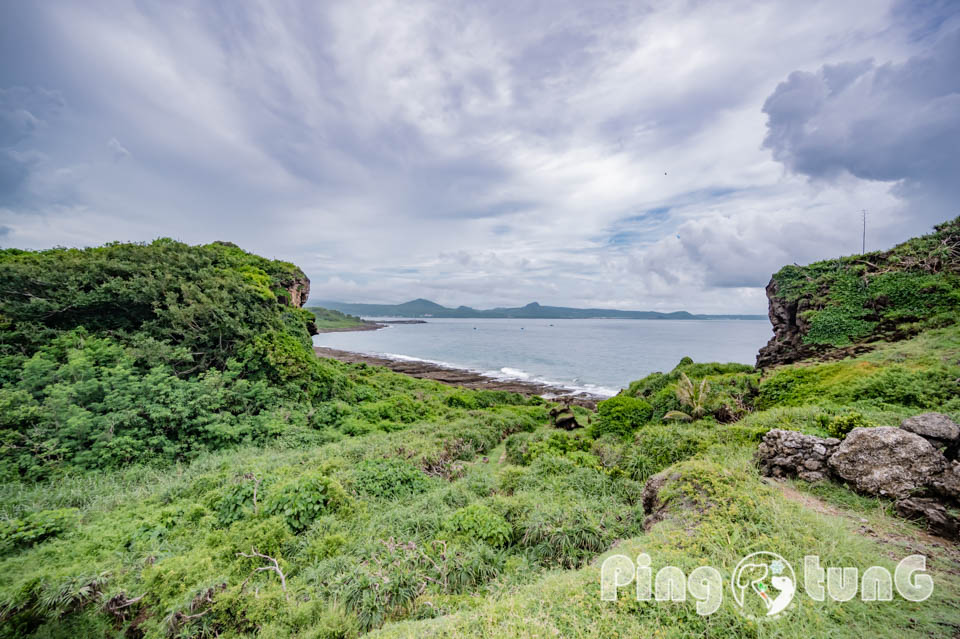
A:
<point x="600" y="356"/>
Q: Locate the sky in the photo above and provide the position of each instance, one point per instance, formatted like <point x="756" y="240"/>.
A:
<point x="635" y="155"/>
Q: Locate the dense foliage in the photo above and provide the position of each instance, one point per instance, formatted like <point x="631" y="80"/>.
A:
<point x="139" y="352"/>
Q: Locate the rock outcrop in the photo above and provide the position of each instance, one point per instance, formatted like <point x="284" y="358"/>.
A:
<point x="787" y="453"/>
<point x="896" y="463"/>
<point x="786" y="345"/>
<point x="938" y="429"/>
<point x="299" y="290"/>
<point x="932" y="512"/>
<point x="886" y="461"/>
<point x="564" y="418"/>
<point x="815" y="312"/>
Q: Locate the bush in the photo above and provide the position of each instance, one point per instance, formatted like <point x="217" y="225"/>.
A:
<point x="841" y="425"/>
<point x="388" y="478"/>
<point x="479" y="522"/>
<point x="302" y="500"/>
<point x="620" y="415"/>
<point x="36" y="527"/>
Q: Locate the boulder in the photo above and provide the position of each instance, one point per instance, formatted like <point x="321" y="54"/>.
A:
<point x="564" y="418"/>
<point x="787" y="453"/>
<point x="886" y="461"/>
<point x="931" y="511"/>
<point x="947" y="483"/>
<point x="936" y="428"/>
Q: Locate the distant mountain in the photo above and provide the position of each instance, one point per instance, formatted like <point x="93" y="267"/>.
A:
<point x="426" y="308"/>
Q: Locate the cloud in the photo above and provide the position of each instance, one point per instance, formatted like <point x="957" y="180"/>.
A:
<point x="119" y="151"/>
<point x="599" y="154"/>
<point x="893" y="122"/>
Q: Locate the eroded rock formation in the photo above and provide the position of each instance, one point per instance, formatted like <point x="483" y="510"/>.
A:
<point x="299" y="290"/>
<point x="886" y="461"/>
<point x="786" y="345"/>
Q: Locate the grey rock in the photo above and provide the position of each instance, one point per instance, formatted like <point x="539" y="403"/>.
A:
<point x="886" y="461"/>
<point x="947" y="483"/>
<point x="937" y="428"/>
<point x="936" y="516"/>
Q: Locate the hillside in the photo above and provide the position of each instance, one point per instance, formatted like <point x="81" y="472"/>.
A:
<point x="533" y="310"/>
<point x="838" y="306"/>
<point x="330" y="320"/>
<point x="176" y="463"/>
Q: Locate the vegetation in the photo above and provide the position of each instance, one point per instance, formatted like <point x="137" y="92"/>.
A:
<point x="176" y="463"/>
<point x="328" y="319"/>
<point x="885" y="295"/>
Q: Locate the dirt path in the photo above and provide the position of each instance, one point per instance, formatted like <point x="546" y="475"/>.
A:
<point x="887" y="530"/>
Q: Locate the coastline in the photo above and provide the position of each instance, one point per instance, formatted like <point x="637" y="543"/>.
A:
<point x="367" y="326"/>
<point x="462" y="377"/>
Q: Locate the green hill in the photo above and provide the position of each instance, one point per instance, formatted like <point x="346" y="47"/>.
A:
<point x="830" y="306"/>
<point x="176" y="463"/>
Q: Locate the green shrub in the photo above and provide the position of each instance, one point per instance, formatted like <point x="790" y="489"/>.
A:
<point x="620" y="415"/>
<point x="36" y="527"/>
<point x="841" y="425"/>
<point x="302" y="500"/>
<point x="388" y="478"/>
<point x="479" y="522"/>
<point x="237" y="502"/>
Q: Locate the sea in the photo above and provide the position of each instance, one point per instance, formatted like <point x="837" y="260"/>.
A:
<point x="598" y="356"/>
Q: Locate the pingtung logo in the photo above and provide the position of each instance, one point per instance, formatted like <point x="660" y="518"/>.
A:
<point x="763" y="585"/>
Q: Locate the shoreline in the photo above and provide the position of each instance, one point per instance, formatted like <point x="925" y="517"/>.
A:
<point x="367" y="326"/>
<point x="462" y="377"/>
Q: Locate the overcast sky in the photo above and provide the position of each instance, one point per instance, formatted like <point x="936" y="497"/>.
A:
<point x="662" y="155"/>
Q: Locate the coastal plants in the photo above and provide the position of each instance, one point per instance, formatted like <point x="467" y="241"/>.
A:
<point x="693" y="396"/>
<point x="304" y="499"/>
<point x="620" y="415"/>
<point x="390" y="478"/>
<point x="841" y="425"/>
<point x="478" y="521"/>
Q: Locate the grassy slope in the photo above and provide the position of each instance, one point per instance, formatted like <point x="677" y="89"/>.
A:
<point x="164" y="534"/>
<point x="747" y="514"/>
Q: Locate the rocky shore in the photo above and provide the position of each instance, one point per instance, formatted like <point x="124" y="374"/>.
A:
<point x="464" y="378"/>
<point x="367" y="326"/>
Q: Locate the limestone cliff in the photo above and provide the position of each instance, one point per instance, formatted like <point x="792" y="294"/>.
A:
<point x="298" y="288"/>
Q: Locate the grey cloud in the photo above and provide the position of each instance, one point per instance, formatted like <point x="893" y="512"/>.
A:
<point x="897" y="123"/>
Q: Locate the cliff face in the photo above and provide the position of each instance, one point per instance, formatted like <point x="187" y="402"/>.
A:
<point x="299" y="290"/>
<point x="835" y="307"/>
<point x="786" y="345"/>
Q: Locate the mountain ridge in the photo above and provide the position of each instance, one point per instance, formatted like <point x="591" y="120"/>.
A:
<point x="421" y="307"/>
